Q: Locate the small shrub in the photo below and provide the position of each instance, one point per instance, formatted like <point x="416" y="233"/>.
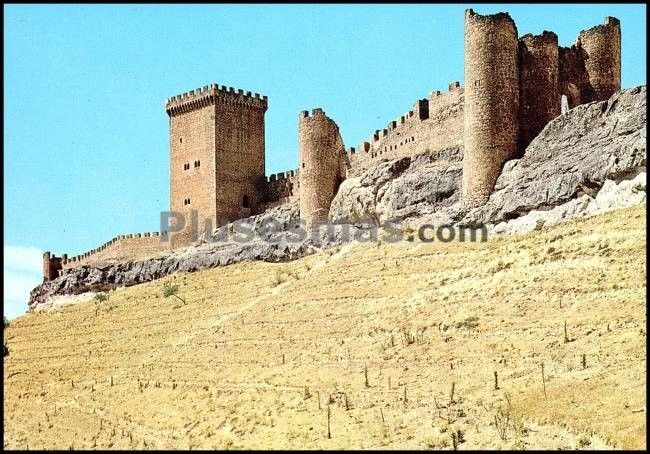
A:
<point x="101" y="297"/>
<point x="468" y="323"/>
<point x="170" y="289"/>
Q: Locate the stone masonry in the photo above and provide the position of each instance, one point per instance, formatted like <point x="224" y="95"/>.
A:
<point x="216" y="156"/>
<point x="321" y="148"/>
<point x="514" y="88"/>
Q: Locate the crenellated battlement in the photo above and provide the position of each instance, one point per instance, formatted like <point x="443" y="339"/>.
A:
<point x="121" y="247"/>
<point x="609" y="23"/>
<point x="315" y="113"/>
<point x="282" y="175"/>
<point x="208" y="95"/>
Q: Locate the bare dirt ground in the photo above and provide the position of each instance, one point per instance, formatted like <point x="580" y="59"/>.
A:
<point x="400" y="341"/>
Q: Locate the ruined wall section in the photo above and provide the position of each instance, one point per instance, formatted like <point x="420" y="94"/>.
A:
<point x="602" y="45"/>
<point x="539" y="91"/>
<point x="321" y="147"/>
<point x="590" y="70"/>
<point x="51" y="265"/>
<point x="574" y="80"/>
<point x="491" y="102"/>
<point x="434" y="123"/>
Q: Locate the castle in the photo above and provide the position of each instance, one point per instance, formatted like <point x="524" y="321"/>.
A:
<point x="513" y="87"/>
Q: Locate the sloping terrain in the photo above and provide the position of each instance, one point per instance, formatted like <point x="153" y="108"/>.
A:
<point x="400" y="341"/>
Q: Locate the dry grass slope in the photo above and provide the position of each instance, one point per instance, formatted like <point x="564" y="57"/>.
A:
<point x="259" y="351"/>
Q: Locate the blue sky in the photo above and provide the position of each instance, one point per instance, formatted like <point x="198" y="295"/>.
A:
<point x="85" y="139"/>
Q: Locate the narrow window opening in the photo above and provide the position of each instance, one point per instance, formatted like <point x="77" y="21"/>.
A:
<point x="246" y="202"/>
<point x="564" y="104"/>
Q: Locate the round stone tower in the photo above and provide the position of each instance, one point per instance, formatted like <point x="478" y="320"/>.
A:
<point x="320" y="148"/>
<point x="539" y="89"/>
<point x="491" y="102"/>
<point x="603" y="47"/>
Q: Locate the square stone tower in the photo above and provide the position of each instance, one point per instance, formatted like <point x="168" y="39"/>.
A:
<point x="216" y="136"/>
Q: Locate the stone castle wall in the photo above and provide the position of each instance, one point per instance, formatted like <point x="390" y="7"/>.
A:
<point x="602" y="45"/>
<point x="282" y="188"/>
<point x="434" y="123"/>
<point x="136" y="246"/>
<point x="539" y="90"/>
<point x="513" y="88"/>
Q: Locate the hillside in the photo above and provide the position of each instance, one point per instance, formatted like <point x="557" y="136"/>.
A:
<point x="258" y="350"/>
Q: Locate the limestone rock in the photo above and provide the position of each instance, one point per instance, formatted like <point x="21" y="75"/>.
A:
<point x="612" y="196"/>
<point x="401" y="189"/>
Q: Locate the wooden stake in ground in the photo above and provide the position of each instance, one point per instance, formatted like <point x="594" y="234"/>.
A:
<point x="496" y="381"/>
<point x="329" y="434"/>
<point x="318" y="395"/>
<point x="584" y="361"/>
<point x="566" y="336"/>
<point x="451" y="394"/>
<point x="365" y="372"/>
<point x="382" y="415"/>
<point x="543" y="381"/>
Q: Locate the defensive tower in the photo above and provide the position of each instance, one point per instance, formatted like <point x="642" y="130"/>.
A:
<point x="216" y="136"/>
<point x="491" y="102"/>
<point x="321" y="149"/>
<point x="539" y="91"/>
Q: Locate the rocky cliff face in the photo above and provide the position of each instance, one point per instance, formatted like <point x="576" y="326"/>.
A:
<point x="401" y="189"/>
<point x="560" y="177"/>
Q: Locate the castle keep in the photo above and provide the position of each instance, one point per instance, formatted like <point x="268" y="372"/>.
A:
<point x="513" y="87"/>
<point x="216" y="141"/>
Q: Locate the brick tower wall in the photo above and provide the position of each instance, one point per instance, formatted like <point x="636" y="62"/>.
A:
<point x="602" y="45"/>
<point x="216" y="156"/>
<point x="539" y="92"/>
<point x="491" y="102"/>
<point x="192" y="141"/>
<point x="320" y="146"/>
<point x="240" y="173"/>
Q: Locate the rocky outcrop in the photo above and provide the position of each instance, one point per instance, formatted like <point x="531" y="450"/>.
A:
<point x="401" y="189"/>
<point x="572" y="156"/>
<point x="612" y="196"/>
